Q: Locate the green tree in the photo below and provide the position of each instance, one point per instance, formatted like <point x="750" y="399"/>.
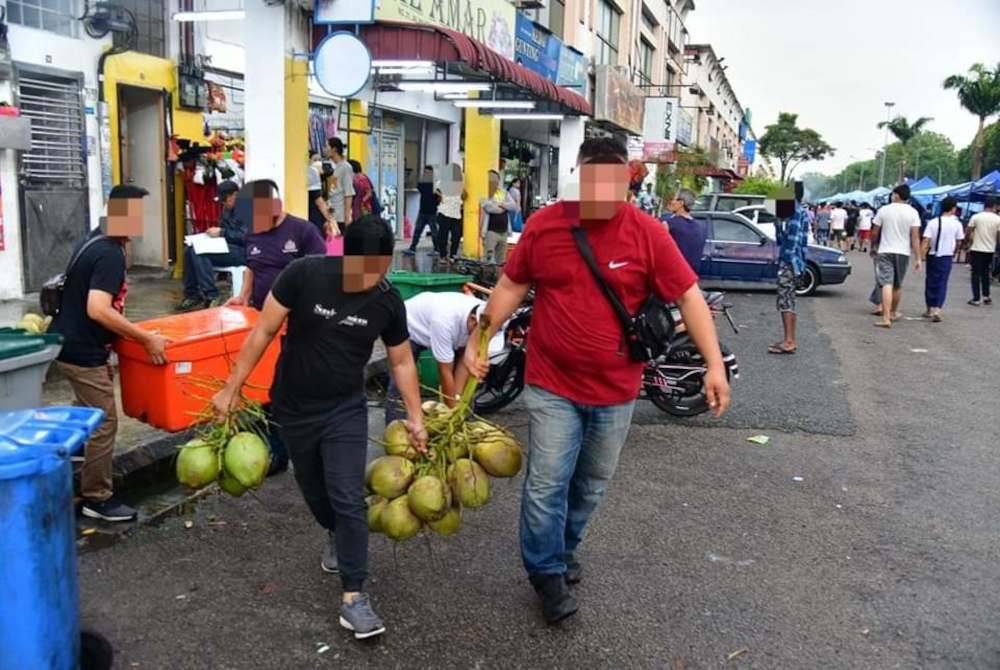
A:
<point x="688" y="172"/>
<point x="760" y="186"/>
<point x="904" y="132"/>
<point x="791" y="145"/>
<point x="991" y="153"/>
<point x="980" y="95"/>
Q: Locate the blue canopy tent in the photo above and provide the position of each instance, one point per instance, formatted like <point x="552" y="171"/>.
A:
<point x="988" y="185"/>
<point x="927" y="197"/>
<point x="922" y="184"/>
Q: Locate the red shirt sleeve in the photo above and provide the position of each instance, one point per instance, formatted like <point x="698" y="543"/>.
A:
<point x="671" y="275"/>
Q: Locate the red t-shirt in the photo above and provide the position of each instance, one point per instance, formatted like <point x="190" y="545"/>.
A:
<point x="577" y="346"/>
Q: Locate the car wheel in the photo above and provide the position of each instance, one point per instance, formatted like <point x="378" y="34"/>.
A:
<point x="808" y="281"/>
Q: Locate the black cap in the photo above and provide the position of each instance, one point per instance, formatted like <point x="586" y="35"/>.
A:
<point x="226" y="188"/>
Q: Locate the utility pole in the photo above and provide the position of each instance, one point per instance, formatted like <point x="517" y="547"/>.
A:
<point x="885" y="142"/>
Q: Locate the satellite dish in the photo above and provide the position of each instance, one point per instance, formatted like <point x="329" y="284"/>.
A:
<point x="342" y="64"/>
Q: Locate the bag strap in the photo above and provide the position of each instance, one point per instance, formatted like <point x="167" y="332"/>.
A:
<point x="937" y="242"/>
<point x="79" y="252"/>
<point x="588" y="257"/>
<point x="365" y="300"/>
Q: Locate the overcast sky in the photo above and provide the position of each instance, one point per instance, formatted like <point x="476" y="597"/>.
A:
<point x="836" y="62"/>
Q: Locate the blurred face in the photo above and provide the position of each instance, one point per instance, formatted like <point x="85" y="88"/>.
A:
<point x="266" y="212"/>
<point x="362" y="273"/>
<point x="675" y="205"/>
<point x="229" y="201"/>
<point x="125" y="217"/>
<point x="494" y="182"/>
<point x="603" y="188"/>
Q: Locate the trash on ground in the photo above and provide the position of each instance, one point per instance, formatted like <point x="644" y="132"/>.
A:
<point x="919" y="351"/>
<point x="797" y="479"/>
<point x="323" y="649"/>
<point x="759" y="439"/>
<point x="88" y="531"/>
<point x="189" y="524"/>
<point x="737" y="653"/>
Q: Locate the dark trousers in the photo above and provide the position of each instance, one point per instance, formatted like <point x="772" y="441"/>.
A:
<point x="199" y="271"/>
<point x="425" y="221"/>
<point x="329" y="452"/>
<point x="981" y="262"/>
<point x="449" y="228"/>
<point x="936" y="284"/>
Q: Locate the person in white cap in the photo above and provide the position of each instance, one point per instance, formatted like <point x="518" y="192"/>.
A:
<point x="441" y="322"/>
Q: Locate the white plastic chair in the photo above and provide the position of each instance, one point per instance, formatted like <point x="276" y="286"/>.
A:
<point x="235" y="273"/>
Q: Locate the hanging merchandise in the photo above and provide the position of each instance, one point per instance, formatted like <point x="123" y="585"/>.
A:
<point x="322" y="126"/>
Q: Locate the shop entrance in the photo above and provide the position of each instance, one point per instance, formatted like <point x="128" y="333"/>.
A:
<point x="142" y="118"/>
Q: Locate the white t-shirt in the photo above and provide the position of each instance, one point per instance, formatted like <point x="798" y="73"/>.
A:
<point x="951" y="235"/>
<point x="440" y="322"/>
<point x="984" y="228"/>
<point x="865" y="217"/>
<point x="838" y="218"/>
<point x="896" y="220"/>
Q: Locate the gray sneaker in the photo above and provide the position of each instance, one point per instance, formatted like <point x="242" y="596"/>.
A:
<point x="329" y="560"/>
<point x="359" y="617"/>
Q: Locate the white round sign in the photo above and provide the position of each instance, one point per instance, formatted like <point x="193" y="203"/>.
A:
<point x="342" y="64"/>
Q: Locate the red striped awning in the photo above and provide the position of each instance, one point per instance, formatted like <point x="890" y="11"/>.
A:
<point x="412" y="41"/>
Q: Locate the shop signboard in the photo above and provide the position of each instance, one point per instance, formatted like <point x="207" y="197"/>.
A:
<point x="635" y="148"/>
<point x="572" y="70"/>
<point x="491" y="22"/>
<point x="617" y="100"/>
<point x="660" y="121"/>
<point x="334" y="12"/>
<point x="658" y="151"/>
<point x="537" y="49"/>
<point x="750" y="150"/>
<point x="685" y="127"/>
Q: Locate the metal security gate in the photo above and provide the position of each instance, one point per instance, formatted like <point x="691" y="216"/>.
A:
<point x="55" y="212"/>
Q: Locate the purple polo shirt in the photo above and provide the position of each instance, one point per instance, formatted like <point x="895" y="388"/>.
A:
<point x="269" y="253"/>
<point x="689" y="234"/>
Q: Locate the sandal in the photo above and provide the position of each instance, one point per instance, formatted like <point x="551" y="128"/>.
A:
<point x="778" y="349"/>
<point x="882" y="324"/>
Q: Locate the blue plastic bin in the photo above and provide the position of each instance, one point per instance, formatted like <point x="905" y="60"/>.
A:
<point x="39" y="608"/>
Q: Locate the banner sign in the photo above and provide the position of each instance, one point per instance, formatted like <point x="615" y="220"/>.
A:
<point x="660" y="121"/>
<point x="750" y="150"/>
<point x="334" y="12"/>
<point x="491" y="22"/>
<point x="617" y="100"/>
<point x="572" y="70"/>
<point x="537" y="49"/>
<point x="658" y="151"/>
<point x="685" y="127"/>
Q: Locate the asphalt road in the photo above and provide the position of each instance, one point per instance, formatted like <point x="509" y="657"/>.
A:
<point x="864" y="535"/>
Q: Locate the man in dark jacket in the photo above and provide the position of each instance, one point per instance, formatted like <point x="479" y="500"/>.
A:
<point x="199" y="269"/>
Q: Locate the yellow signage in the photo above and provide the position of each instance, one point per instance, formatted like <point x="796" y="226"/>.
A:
<point x="491" y="22"/>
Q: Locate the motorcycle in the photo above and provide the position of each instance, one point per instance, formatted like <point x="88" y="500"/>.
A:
<point x="673" y="382"/>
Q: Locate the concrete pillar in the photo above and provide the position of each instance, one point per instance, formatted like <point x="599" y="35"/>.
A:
<point x="357" y="137"/>
<point x="482" y="154"/>
<point x="570" y="139"/>
<point x="276" y="134"/>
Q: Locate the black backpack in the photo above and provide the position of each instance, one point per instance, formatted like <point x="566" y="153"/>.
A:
<point x="51" y="296"/>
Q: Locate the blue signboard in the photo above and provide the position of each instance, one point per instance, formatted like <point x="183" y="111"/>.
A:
<point x="537" y="49"/>
<point x="750" y="150"/>
<point x="572" y="70"/>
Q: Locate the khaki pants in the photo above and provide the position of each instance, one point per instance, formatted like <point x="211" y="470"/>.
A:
<point x="495" y="247"/>
<point x="95" y="387"/>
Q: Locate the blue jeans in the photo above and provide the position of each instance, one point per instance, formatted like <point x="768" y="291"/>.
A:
<point x="199" y="271"/>
<point x="424" y="221"/>
<point x="936" y="284"/>
<point x="572" y="454"/>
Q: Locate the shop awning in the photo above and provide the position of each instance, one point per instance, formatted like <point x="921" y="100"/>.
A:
<point x="410" y="41"/>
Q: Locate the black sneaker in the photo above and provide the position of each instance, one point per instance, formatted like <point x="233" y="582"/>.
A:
<point x="107" y="510"/>
<point x="557" y="601"/>
<point x="574" y="571"/>
<point x="987" y="301"/>
<point x="190" y="305"/>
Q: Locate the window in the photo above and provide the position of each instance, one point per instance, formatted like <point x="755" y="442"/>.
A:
<point x="648" y="20"/>
<point x="645" y="62"/>
<point x="557" y="17"/>
<point x="150" y="26"/>
<point x="668" y="79"/>
<point x="57" y="16"/>
<point x="724" y="230"/>
<point x="608" y="29"/>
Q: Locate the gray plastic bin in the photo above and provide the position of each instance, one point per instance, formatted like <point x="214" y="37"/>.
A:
<point x="21" y="378"/>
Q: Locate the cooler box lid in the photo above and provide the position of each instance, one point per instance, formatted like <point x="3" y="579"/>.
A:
<point x="207" y="326"/>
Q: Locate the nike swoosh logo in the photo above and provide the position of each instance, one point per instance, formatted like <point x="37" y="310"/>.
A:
<point x="615" y="266"/>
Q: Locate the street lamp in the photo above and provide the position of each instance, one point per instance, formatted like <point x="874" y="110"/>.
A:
<point x="885" y="142"/>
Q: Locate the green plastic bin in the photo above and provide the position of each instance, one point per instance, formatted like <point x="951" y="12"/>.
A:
<point x="410" y="284"/>
<point x="427" y="371"/>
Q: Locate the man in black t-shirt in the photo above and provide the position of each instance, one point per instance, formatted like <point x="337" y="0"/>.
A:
<point x="427" y="216"/>
<point x="336" y="308"/>
<point x="89" y="319"/>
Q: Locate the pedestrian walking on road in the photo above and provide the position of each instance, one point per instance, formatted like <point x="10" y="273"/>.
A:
<point x="838" y="226"/>
<point x="90" y="318"/>
<point x="941" y="237"/>
<point x="451" y="187"/>
<point x="581" y="381"/>
<point x="823" y="225"/>
<point x="983" y="235"/>
<point x="364" y="201"/>
<point x="494" y="225"/>
<point x="793" y="240"/>
<point x="865" y="216"/>
<point x="428" y="212"/>
<point x="336" y="307"/>
<point x="895" y="237"/>
<point x="689" y="234"/>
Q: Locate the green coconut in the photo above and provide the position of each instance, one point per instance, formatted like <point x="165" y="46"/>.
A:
<point x="247" y="459"/>
<point x="449" y="523"/>
<point x="499" y="455"/>
<point x="429" y="498"/>
<point x="389" y="476"/>
<point x="197" y="464"/>
<point x="469" y="483"/>
<point x="398" y="521"/>
<point x="433" y="409"/>
<point x="397" y="440"/>
<point x="228" y="484"/>
<point x="376" y="505"/>
<point x="456" y="448"/>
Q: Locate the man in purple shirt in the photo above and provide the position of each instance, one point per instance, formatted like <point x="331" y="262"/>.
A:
<point x="278" y="238"/>
<point x="688" y="233"/>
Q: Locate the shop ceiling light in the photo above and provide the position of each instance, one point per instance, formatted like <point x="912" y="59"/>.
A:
<point x="425" y="72"/>
<point x="463" y="95"/>
<point x="442" y="86"/>
<point x="529" y="117"/>
<point x="211" y="15"/>
<point x="418" y="64"/>
<point x="498" y="104"/>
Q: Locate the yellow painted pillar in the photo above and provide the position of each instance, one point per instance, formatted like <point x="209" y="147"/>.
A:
<point x="482" y="154"/>
<point x="357" y="137"/>
<point x="296" y="136"/>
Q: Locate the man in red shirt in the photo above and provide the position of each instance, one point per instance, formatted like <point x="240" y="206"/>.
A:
<point x="581" y="382"/>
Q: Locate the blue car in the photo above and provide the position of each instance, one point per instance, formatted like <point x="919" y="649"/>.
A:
<point x="738" y="252"/>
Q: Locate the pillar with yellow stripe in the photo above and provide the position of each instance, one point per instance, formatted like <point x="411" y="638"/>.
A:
<point x="482" y="154"/>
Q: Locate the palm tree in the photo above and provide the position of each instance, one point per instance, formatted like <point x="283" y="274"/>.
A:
<point x="904" y="131"/>
<point x="981" y="96"/>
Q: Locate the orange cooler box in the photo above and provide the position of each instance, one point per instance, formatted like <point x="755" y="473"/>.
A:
<point x="202" y="350"/>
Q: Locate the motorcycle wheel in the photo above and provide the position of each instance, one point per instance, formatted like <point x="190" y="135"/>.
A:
<point x="502" y="386"/>
<point x="683" y="407"/>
